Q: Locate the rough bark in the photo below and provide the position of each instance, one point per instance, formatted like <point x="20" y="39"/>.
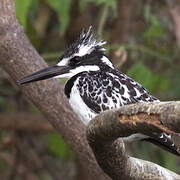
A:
<point x="19" y="58"/>
<point x="104" y="131"/>
<point x="24" y="122"/>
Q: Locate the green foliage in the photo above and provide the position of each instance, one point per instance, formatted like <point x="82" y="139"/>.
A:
<point x="62" y="8"/>
<point x="152" y="81"/>
<point x="22" y="9"/>
<point x="169" y="161"/>
<point x="111" y="4"/>
<point x="155" y="30"/>
<point x="57" y="146"/>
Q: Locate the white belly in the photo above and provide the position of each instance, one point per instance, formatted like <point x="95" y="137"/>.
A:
<point x="79" y="107"/>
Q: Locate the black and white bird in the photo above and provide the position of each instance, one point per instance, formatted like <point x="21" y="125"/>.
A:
<point x="95" y="85"/>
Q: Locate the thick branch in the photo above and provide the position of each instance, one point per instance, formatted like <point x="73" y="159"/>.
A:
<point x="19" y="58"/>
<point x="24" y="122"/>
<point x="104" y="131"/>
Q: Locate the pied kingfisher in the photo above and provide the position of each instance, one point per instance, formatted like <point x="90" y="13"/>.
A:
<point x="95" y="85"/>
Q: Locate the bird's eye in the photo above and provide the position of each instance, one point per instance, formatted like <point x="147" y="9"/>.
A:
<point x="76" y="60"/>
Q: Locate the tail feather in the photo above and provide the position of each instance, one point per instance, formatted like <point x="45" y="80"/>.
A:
<point x="163" y="140"/>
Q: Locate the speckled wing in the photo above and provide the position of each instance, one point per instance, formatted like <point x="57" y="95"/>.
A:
<point x="109" y="90"/>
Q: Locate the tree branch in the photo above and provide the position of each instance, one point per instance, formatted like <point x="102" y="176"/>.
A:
<point x="19" y="58"/>
<point x="24" y="122"/>
<point x="103" y="133"/>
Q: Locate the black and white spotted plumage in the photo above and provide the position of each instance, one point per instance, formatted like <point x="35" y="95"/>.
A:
<point x="108" y="89"/>
<point x="95" y="85"/>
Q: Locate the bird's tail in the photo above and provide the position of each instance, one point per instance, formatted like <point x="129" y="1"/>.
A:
<point x="164" y="141"/>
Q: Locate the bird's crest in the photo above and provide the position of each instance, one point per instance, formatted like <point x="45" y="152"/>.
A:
<point x="85" y="44"/>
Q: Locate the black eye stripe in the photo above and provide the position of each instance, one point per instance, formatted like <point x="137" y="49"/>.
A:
<point x="76" y="58"/>
<point x="75" y="61"/>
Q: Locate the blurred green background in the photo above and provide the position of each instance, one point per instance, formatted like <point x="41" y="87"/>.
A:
<point x="142" y="42"/>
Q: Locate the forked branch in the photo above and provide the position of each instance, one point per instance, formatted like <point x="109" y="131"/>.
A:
<point x="103" y="133"/>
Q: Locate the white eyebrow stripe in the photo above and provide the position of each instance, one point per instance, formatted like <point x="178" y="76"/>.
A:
<point x="63" y="62"/>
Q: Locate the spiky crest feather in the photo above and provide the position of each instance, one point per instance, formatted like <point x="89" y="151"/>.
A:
<point x="85" y="44"/>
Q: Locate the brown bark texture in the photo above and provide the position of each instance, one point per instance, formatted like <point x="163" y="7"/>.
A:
<point x="19" y="58"/>
<point x="24" y="122"/>
<point x="105" y="130"/>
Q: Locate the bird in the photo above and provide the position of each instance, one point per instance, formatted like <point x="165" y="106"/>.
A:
<point x="94" y="85"/>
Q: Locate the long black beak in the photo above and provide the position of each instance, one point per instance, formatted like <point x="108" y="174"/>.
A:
<point x="44" y="74"/>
